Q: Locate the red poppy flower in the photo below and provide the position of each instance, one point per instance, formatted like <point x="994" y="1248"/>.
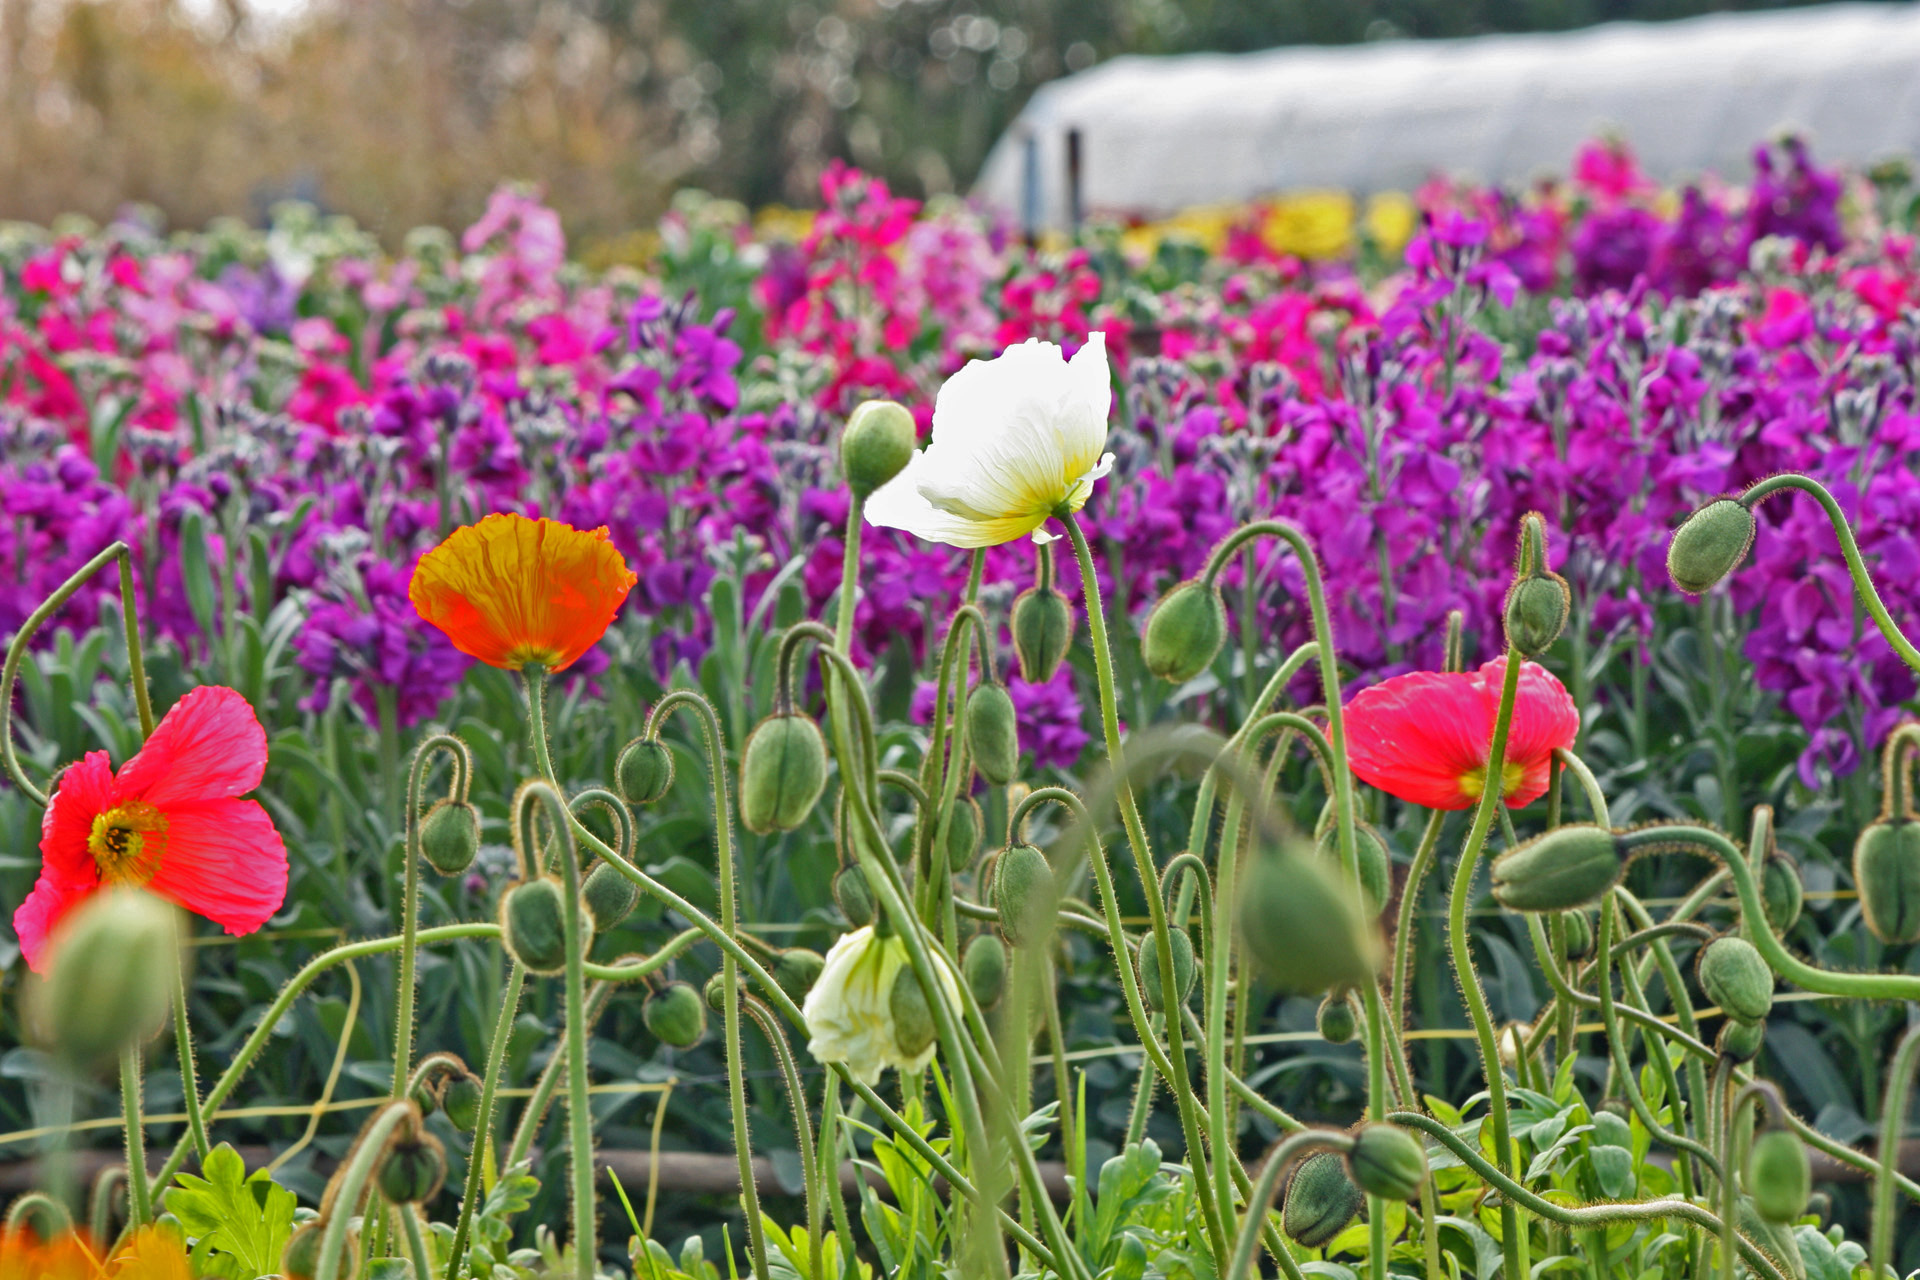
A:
<point x="1426" y="736"/>
<point x="168" y="821"/>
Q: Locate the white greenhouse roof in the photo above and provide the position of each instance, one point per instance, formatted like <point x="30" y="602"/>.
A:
<point x="1692" y="97"/>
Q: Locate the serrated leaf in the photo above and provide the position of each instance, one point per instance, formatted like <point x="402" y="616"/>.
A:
<point x="244" y="1219"/>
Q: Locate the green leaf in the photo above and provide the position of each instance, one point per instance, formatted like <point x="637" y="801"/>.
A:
<point x="238" y="1222"/>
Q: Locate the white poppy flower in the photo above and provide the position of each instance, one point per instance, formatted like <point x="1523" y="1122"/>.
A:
<point x="1016" y="440"/>
<point x="849" y="1011"/>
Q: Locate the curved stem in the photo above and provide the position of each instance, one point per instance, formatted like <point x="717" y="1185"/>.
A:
<point x="139" y="1196"/>
<point x="1893" y="1126"/>
<point x="1260" y="1200"/>
<point x="802" y="1126"/>
<point x="410" y="895"/>
<point x="1403" y="929"/>
<point x="483" y="1128"/>
<point x="351" y="1183"/>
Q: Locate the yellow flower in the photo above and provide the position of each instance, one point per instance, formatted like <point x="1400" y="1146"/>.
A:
<point x="1390" y="220"/>
<point x="1314" y="224"/>
<point x="850" y="1008"/>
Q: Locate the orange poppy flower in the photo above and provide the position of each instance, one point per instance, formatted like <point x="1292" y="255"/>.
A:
<point x="510" y="591"/>
<point x="151" y="1253"/>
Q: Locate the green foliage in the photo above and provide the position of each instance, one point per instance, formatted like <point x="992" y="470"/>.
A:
<point x="238" y="1222"/>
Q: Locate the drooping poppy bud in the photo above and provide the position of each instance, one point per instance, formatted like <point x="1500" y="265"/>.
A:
<point x="716" y="992"/>
<point x="1185" y="631"/>
<point x="1734" y="976"/>
<point x="1185" y="973"/>
<point x="1781" y="892"/>
<point x="913" y="1025"/>
<point x="414" y="1168"/>
<point x="1301" y="925"/>
<point x="993" y="733"/>
<point x="676" y="1015"/>
<point x="1710" y="545"/>
<point x="985" y="968"/>
<point x="796" y="970"/>
<point x="783" y="770"/>
<point x="462" y="1102"/>
<point x="644" y="771"/>
<point x="301" y="1258"/>
<point x="1024" y="894"/>
<point x="853" y="895"/>
<point x="1321" y="1200"/>
<point x="1778" y="1176"/>
<point x="608" y="897"/>
<point x="1579" y="934"/>
<point x="964" y="826"/>
<point x="1562" y="870"/>
<point x="1042" y="632"/>
<point x="450" y="836"/>
<point x="1388" y="1162"/>
<point x="1335" y="1019"/>
<point x="1886" y="870"/>
<point x="111" y="969"/>
<point x="877" y="444"/>
<point x="1376" y="874"/>
<point x="1741" y="1041"/>
<point x="533" y="925"/>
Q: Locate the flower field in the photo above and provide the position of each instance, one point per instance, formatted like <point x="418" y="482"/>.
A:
<point x="975" y="915"/>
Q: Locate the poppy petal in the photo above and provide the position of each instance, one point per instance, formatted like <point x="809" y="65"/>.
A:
<point x="1544" y="718"/>
<point x="225" y="861"/>
<point x="42" y="912"/>
<point x="209" y="745"/>
<point x="1415" y="736"/>
<point x="67" y="871"/>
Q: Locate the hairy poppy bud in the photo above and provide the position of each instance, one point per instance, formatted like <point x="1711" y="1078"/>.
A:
<point x="533" y="924"/>
<point x="877" y="443"/>
<point x="1562" y="870"/>
<point x="1886" y="870"/>
<point x="1376" y="874"/>
<point x="854" y="896"/>
<point x="1710" y="545"/>
<point x="1536" y="612"/>
<point x="796" y="970"/>
<point x="1301" y="925"/>
<point x="1741" y="1041"/>
<point x="1184" y="971"/>
<point x="913" y="1026"/>
<point x="1321" y="1200"/>
<point x="607" y="897"/>
<point x="985" y="968"/>
<point x="462" y="1102"/>
<point x="1579" y="934"/>
<point x="413" y="1170"/>
<point x="1388" y="1162"/>
<point x="783" y="770"/>
<point x="1335" y="1019"/>
<point x="1778" y="1177"/>
<point x="1185" y="632"/>
<point x="450" y="836"/>
<point x="1023" y="893"/>
<point x="1781" y="893"/>
<point x="644" y="770"/>
<point x="715" y="992"/>
<point x="676" y="1015"/>
<point x="111" y="971"/>
<point x="964" y="825"/>
<point x="993" y="733"/>
<point x="1042" y="632"/>
<point x="301" y="1258"/>
<point x="1734" y="976"/>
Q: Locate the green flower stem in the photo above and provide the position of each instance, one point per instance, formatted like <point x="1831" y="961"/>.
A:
<point x="935" y="767"/>
<point x="53" y="1217"/>
<point x="352" y="1183"/>
<point x="1260" y="1202"/>
<point x="1856" y="567"/>
<point x="1202" y="819"/>
<point x="1893" y="1124"/>
<point x="416" y="1242"/>
<point x="1582" y="1216"/>
<point x="802" y="1125"/>
<point x="1567" y="996"/>
<point x="1404" y="926"/>
<point x="483" y="1128"/>
<point x="99" y="1204"/>
<point x="139" y="1196"/>
<point x="1847" y="1155"/>
<point x="410" y="895"/>
<point x="189" y="1075"/>
<point x="1661" y="955"/>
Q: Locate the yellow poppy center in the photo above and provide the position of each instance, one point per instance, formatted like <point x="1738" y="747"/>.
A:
<point x="126" y="843"/>
<point x="1474" y="781"/>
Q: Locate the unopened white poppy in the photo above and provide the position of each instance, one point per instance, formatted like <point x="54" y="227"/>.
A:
<point x="1016" y="440"/>
<point x="850" y="1012"/>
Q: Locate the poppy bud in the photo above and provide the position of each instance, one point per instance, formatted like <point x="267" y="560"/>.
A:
<point x="1733" y="976"/>
<point x="993" y="733"/>
<point x="422" y="1097"/>
<point x="1185" y="631"/>
<point x="796" y="970"/>
<point x="1301" y="926"/>
<point x="985" y="968"/>
<point x="1321" y="1200"/>
<point x="1781" y="893"/>
<point x="783" y="770"/>
<point x="301" y="1258"/>
<point x="1335" y="1019"/>
<point x="644" y="770"/>
<point x="533" y="924"/>
<point x="1185" y="974"/>
<point x="1579" y="934"/>
<point x="1388" y="1162"/>
<point x="450" y="836"/>
<point x="462" y="1103"/>
<point x="1886" y="871"/>
<point x="913" y="1027"/>
<point x="1741" y="1041"/>
<point x="607" y="897"/>
<point x="1710" y="545"/>
<point x="111" y="971"/>
<point x="964" y="825"/>
<point x="854" y="896"/>
<point x="413" y="1170"/>
<point x="1042" y="632"/>
<point x="676" y="1015"/>
<point x="1536" y="612"/>
<point x="1376" y="876"/>
<point x="877" y="443"/>
<point x="1778" y="1177"/>
<point x="715" y="992"/>
<point x="1023" y="893"/>
<point x="1565" y="869"/>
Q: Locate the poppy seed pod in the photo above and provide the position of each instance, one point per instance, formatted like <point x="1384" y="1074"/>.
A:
<point x="533" y="924"/>
<point x="1741" y="1041"/>
<point x="854" y="896"/>
<point x="676" y="1015"/>
<point x="1042" y="632"/>
<point x="413" y="1169"/>
<point x="1565" y="869"/>
<point x="1321" y="1200"/>
<point x="783" y="770"/>
<point x="1781" y="893"/>
<point x="111" y="970"/>
<point x="1579" y="934"/>
<point x="1886" y="871"/>
<point x="1734" y="976"/>
<point x="1388" y="1162"/>
<point x="1023" y="893"/>
<point x="1335" y="1020"/>
<point x="1376" y="874"/>
<point x="1778" y="1176"/>
<point x="1185" y="973"/>
<point x="1185" y="631"/>
<point x="1536" y="612"/>
<point x="1710" y="545"/>
<point x="877" y="444"/>
<point x="462" y="1102"/>
<point x="607" y="897"/>
<point x="984" y="966"/>
<point x="644" y="771"/>
<point x="993" y="733"/>
<point x="450" y="836"/>
<point x="1301" y="926"/>
<point x="913" y="1026"/>
<point x="796" y="970"/>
